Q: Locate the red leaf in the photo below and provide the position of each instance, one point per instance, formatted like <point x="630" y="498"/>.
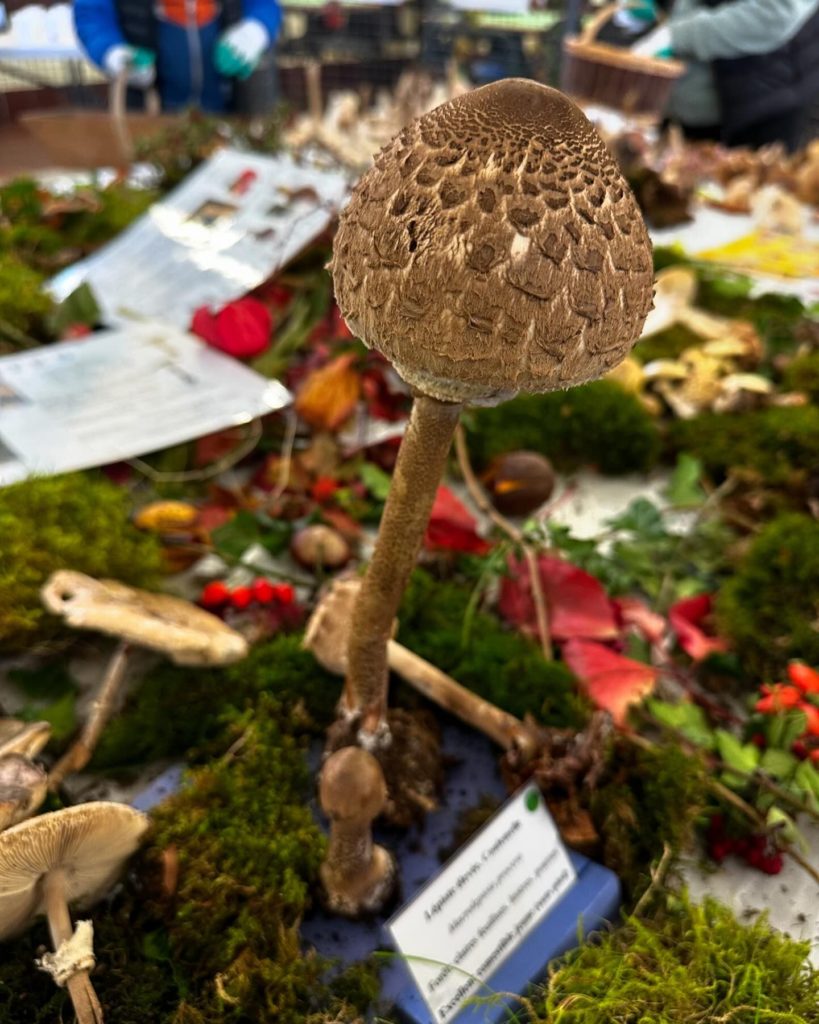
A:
<point x="687" y="617"/>
<point x="452" y="528"/>
<point x="578" y="605"/>
<point x="611" y="681"/>
<point x="778" y="698"/>
<point x="807" y="679"/>
<point x="634" y="612"/>
<point x="241" y="329"/>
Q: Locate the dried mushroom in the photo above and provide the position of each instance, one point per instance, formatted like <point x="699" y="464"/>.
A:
<point x="23" y="787"/>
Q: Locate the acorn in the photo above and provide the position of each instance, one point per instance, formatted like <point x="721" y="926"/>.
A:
<point x="320" y="546"/>
<point x="519" y="482"/>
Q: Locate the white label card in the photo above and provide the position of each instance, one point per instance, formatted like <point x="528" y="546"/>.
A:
<point x="471" y="916"/>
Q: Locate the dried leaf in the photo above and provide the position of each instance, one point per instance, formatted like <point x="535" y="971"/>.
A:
<point x="328" y="396"/>
<point x="687" y="617"/>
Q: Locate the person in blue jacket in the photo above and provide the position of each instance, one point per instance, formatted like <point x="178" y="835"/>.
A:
<point x="194" y="51"/>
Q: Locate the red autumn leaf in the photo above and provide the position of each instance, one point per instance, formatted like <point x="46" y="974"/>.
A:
<point x="611" y="681"/>
<point x="452" y="528"/>
<point x="807" y="679"/>
<point x="329" y="394"/>
<point x="213" y="447"/>
<point x="687" y="618"/>
<point x="634" y="612"/>
<point x="241" y="329"/>
<point x="577" y="603"/>
<point x="778" y="698"/>
<point x="211" y="517"/>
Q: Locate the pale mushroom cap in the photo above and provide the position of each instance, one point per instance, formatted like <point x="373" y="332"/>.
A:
<point x="186" y="633"/>
<point x="26" y="738"/>
<point x="352" y="785"/>
<point x="495" y="248"/>
<point x="23" y="787"/>
<point x="89" y="843"/>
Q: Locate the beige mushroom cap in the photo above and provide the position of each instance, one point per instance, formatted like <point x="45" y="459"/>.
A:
<point x="352" y="785"/>
<point x="23" y="787"/>
<point x="495" y="247"/>
<point x="187" y="634"/>
<point x="89" y="843"/>
<point x="26" y="738"/>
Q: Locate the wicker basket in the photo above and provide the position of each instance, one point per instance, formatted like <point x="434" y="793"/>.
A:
<point x="78" y="138"/>
<point x="612" y="76"/>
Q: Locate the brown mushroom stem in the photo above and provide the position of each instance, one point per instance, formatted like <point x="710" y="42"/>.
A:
<point x="83" y="997"/>
<point x="501" y="727"/>
<point x="418" y="472"/>
<point x="79" y="753"/>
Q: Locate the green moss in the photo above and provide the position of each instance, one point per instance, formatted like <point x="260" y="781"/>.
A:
<point x="770" y="607"/>
<point x="667" y="344"/>
<point x="176" y="709"/>
<point x="502" y="666"/>
<point x="692" y="963"/>
<point x="650" y="799"/>
<point x="67" y="522"/>
<point x="803" y="375"/>
<point x="780" y="446"/>
<point x="24" y="305"/>
<point x="597" y="425"/>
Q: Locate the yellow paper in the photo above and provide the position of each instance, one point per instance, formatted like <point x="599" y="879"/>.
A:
<point x="777" y="255"/>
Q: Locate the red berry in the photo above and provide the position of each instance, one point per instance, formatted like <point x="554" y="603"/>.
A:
<point x="772" y="864"/>
<point x="241" y="597"/>
<point x="800" y="750"/>
<point x="214" y="595"/>
<point x="284" y="593"/>
<point x="324" y="488"/>
<point x="263" y="591"/>
<point x="814" y="756"/>
<point x="720" y="849"/>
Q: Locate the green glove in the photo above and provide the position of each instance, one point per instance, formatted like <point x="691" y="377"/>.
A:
<point x="239" y="50"/>
<point x="645" y="10"/>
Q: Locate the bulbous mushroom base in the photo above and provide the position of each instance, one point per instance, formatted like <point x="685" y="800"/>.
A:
<point x="360" y="893"/>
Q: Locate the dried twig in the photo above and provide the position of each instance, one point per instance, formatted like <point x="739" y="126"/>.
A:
<point x="480" y="498"/>
<point x="221" y="465"/>
<point x="657" y="877"/>
<point x="79" y="753"/>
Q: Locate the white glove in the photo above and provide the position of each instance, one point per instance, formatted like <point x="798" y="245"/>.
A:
<point x="240" y="48"/>
<point x="140" y="64"/>
<point x="655" y="44"/>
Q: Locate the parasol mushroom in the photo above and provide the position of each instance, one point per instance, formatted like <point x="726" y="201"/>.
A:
<point x="357" y="875"/>
<point x="68" y="856"/>
<point x="494" y="248"/>
<point x="327" y="636"/>
<point x="23" y="787"/>
<point x="188" y="635"/>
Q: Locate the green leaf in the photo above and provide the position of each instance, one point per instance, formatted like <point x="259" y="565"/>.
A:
<point x="786" y="826"/>
<point x="375" y="480"/>
<point x="642" y="518"/>
<point x="687" y="718"/>
<point x="778" y="763"/>
<point x="684" y="489"/>
<point x="48" y="682"/>
<point x="80" y="307"/>
<point x="742" y="758"/>
<point x="806" y="778"/>
<point x="61" y="714"/>
<point x="784" y="729"/>
<point x="245" y="529"/>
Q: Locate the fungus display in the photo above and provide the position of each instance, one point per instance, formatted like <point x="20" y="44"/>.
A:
<point x="357" y="875"/>
<point x="70" y="856"/>
<point x="493" y="249"/>
<point x="188" y="635"/>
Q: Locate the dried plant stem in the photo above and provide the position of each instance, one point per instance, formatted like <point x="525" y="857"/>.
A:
<point x="79" y="753"/>
<point x="657" y="878"/>
<point x="418" y="472"/>
<point x="480" y="498"/>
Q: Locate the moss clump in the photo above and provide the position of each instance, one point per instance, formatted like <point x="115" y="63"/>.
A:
<point x="501" y="666"/>
<point x="780" y="446"/>
<point x="24" y="305"/>
<point x="769" y="608"/>
<point x="803" y="375"/>
<point x="176" y="709"/>
<point x="667" y="344"/>
<point x="650" y="799"/>
<point x="597" y="425"/>
<point x="69" y="522"/>
<point x="692" y="963"/>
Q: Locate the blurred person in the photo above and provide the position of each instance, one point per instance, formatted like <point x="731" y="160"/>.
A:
<point x="194" y="51"/>
<point x="753" y="68"/>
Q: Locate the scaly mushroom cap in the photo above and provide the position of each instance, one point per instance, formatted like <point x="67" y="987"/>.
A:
<point x="89" y="843"/>
<point x="352" y="785"/>
<point x="494" y="248"/>
<point x="187" y="634"/>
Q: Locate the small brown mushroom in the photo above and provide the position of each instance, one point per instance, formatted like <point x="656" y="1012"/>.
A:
<point x="327" y="637"/>
<point x="70" y="856"/>
<point x="320" y="547"/>
<point x="494" y="248"/>
<point x="188" y="635"/>
<point x="26" y="738"/>
<point x="519" y="482"/>
<point x="23" y="787"/>
<point x="358" y="876"/>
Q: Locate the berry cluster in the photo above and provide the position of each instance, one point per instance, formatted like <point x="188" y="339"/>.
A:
<point x="217" y="596"/>
<point x="758" y="850"/>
